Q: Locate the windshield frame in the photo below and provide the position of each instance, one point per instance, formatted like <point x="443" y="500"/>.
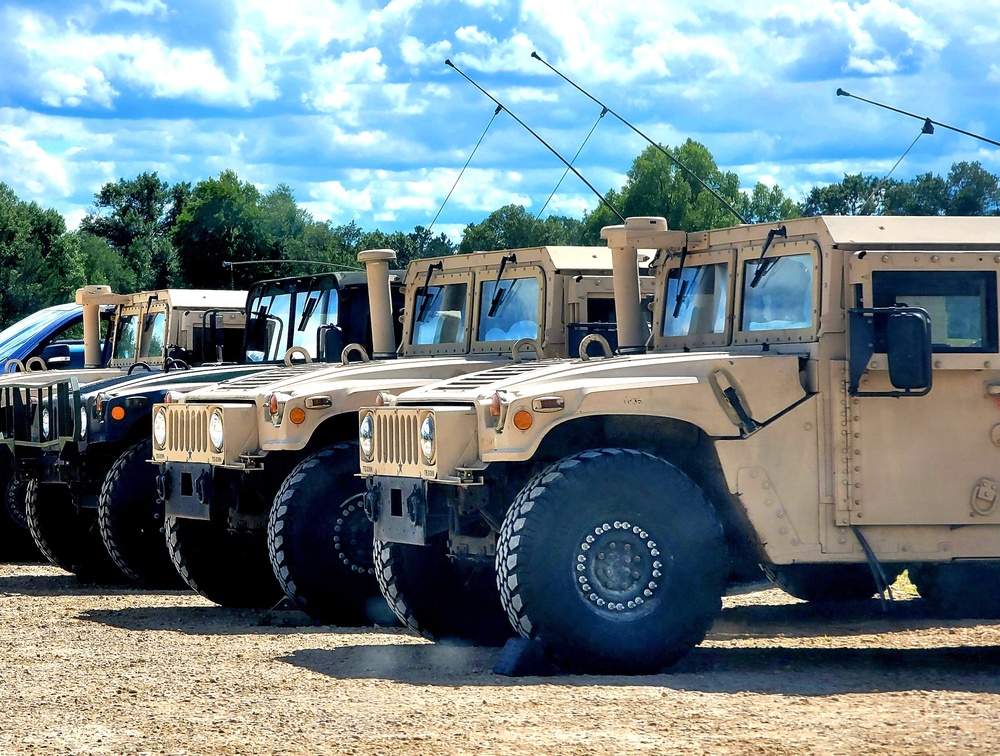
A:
<point x="744" y="274"/>
<point x="438" y="278"/>
<point x="666" y="300"/>
<point x="511" y="272"/>
<point x="298" y="290"/>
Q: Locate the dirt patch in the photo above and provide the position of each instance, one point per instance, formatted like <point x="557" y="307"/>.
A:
<point x="98" y="670"/>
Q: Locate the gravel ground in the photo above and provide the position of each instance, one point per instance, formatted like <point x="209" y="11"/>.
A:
<point x="96" y="670"/>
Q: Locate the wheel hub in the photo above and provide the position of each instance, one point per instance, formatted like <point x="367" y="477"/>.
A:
<point x="15" y="503"/>
<point x="617" y="567"/>
<point x="353" y="536"/>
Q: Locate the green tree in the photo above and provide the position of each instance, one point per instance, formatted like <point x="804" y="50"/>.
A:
<point x="855" y="195"/>
<point x="222" y="221"/>
<point x="926" y="194"/>
<point x="972" y="190"/>
<point x="765" y="204"/>
<point x="39" y="265"/>
<point x="136" y="217"/>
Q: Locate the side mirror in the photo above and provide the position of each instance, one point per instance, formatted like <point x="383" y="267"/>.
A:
<point x="332" y="343"/>
<point x="57" y="356"/>
<point x="908" y="347"/>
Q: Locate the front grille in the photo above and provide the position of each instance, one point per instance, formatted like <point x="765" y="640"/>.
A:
<point x="21" y="416"/>
<point x="187" y="428"/>
<point x="396" y="437"/>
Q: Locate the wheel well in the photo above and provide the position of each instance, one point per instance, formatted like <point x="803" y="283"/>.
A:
<point x="342" y="427"/>
<point x="682" y="444"/>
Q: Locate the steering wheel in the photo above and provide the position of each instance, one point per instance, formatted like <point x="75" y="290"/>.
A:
<point x="35" y="364"/>
<point x="176" y="362"/>
<point x="145" y="366"/>
<point x="351" y="349"/>
<point x="297" y="350"/>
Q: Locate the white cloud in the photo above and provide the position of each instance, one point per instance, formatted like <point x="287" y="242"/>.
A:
<point x="416" y="52"/>
<point x="73" y="68"/>
<point x="333" y="81"/>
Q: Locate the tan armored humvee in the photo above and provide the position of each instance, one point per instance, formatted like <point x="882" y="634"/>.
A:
<point x="785" y="415"/>
<point x="287" y="437"/>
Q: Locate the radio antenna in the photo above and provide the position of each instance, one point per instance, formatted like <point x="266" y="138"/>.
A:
<point x="536" y="136"/>
<point x="673" y="159"/>
<point x="929" y="123"/>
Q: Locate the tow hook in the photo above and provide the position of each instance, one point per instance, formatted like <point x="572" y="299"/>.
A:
<point x="163" y="485"/>
<point x="373" y="497"/>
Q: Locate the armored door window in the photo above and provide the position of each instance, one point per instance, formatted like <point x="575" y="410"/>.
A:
<point x="783" y="296"/>
<point x="508" y="310"/>
<point x="696" y="300"/>
<point x="962" y="306"/>
<point x="127" y="336"/>
<point x="440" y="314"/>
<point x="153" y="335"/>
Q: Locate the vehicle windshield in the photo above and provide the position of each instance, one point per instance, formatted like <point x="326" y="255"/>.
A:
<point x="280" y="321"/>
<point x="126" y="337"/>
<point x="439" y="314"/>
<point x="13" y="337"/>
<point x="696" y="300"/>
<point x="515" y="315"/>
<point x="782" y="298"/>
<point x="153" y="335"/>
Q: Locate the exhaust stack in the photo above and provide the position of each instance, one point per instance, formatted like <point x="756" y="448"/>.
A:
<point x="625" y="242"/>
<point x="376" y="262"/>
<point x="93" y="298"/>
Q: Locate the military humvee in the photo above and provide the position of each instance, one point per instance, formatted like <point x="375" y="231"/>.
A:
<point x="45" y="424"/>
<point x="263" y="469"/>
<point x="785" y="415"/>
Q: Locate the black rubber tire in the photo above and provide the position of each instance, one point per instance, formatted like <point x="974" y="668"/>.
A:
<point x="959" y="589"/>
<point x="228" y="568"/>
<point x="66" y="535"/>
<point x="438" y="598"/>
<point x="320" y="541"/>
<point x="16" y="543"/>
<point x="821" y="583"/>
<point x="554" y="579"/>
<point x="130" y="519"/>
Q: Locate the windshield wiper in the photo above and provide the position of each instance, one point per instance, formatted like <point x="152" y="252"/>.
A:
<point x="309" y="307"/>
<point x="423" y="290"/>
<point x="498" y="292"/>
<point x="762" y="266"/>
<point x="682" y="285"/>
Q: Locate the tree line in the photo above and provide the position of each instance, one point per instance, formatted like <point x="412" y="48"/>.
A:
<point x="145" y="233"/>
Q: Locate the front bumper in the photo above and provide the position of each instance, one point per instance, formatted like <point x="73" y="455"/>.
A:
<point x="186" y="489"/>
<point x="400" y="510"/>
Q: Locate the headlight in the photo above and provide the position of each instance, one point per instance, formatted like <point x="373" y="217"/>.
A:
<point x="215" y="430"/>
<point x="427" y="438"/>
<point x="366" y="436"/>
<point x="160" y="428"/>
<point x="45" y="422"/>
<point x="83" y="421"/>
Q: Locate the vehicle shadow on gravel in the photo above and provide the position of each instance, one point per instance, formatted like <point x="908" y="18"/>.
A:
<point x="68" y="584"/>
<point x="771" y="670"/>
<point x="844" y="618"/>
<point x="213" y="620"/>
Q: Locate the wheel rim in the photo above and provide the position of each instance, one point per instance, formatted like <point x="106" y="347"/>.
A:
<point x="15" y="503"/>
<point x="352" y="537"/>
<point x="618" y="568"/>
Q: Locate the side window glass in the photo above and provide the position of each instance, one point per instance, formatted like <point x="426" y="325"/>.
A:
<point x="696" y="300"/>
<point x="439" y="316"/>
<point x="514" y="312"/>
<point x="962" y="306"/>
<point x="783" y="296"/>
<point x="153" y="336"/>
<point x="125" y="342"/>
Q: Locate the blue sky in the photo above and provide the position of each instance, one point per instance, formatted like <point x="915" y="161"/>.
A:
<point x="351" y="105"/>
